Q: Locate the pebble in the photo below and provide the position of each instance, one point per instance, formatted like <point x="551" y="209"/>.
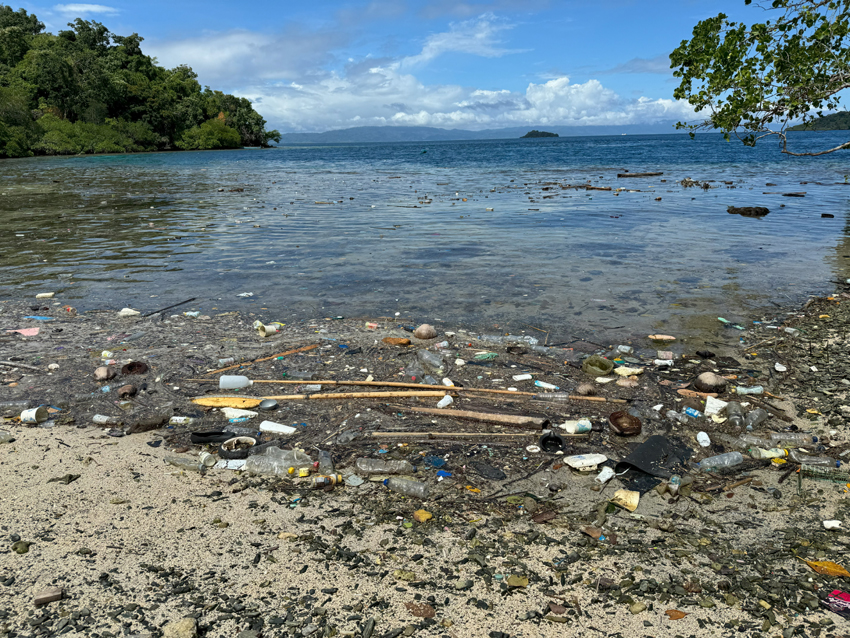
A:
<point x="184" y="628"/>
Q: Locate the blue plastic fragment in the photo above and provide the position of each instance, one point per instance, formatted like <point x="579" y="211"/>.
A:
<point x="444" y="474"/>
<point x="435" y="461"/>
<point x="39" y="318"/>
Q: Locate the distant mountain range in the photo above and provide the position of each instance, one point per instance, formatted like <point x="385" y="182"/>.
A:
<point x="833" y="122"/>
<point x="363" y="134"/>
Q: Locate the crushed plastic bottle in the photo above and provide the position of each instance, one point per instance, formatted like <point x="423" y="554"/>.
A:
<point x="413" y="372"/>
<point x="801" y="438"/>
<point x="772" y="453"/>
<point x="728" y="459"/>
<point x="556" y="397"/>
<point x="807" y="459"/>
<point x="825" y="473"/>
<point x="755" y="418"/>
<point x="273" y="460"/>
<point x="379" y="466"/>
<point x="507" y="339"/>
<point x="408" y="487"/>
<point x="431" y="360"/>
<point x="189" y="463"/>
<point x="674" y="484"/>
<point x="675" y="416"/>
<point x="6" y="437"/>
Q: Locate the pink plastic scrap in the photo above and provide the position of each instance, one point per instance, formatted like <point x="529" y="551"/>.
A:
<point x="839" y="602"/>
<point x="27" y="332"/>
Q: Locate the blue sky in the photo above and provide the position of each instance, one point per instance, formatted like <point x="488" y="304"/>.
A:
<point x="315" y="66"/>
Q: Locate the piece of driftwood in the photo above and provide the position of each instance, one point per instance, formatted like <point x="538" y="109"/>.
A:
<point x="432" y="435"/>
<point x="530" y="422"/>
<point x="274" y="356"/>
<point x="639" y="174"/>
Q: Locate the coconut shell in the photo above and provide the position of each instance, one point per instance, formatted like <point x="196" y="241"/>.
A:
<point x="624" y="424"/>
<point x="710" y="383"/>
<point x="425" y="331"/>
<point x="586" y="390"/>
<point x="127" y="391"/>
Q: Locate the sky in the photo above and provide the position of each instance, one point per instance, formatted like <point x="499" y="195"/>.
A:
<point x="323" y="65"/>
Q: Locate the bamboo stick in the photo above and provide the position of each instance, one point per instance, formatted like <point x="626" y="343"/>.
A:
<point x="250" y="363"/>
<point x="431" y="435"/>
<point x="252" y="402"/>
<point x="503" y="419"/>
<point x="387" y="384"/>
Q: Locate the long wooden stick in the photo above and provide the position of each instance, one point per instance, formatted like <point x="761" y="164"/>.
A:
<point x="355" y="395"/>
<point x="252" y="402"/>
<point x="503" y="419"/>
<point x="250" y="363"/>
<point x="432" y="435"/>
<point x="386" y="384"/>
<point x="542" y="397"/>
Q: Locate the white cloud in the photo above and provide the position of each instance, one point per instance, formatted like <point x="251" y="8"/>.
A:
<point x="307" y="81"/>
<point x="82" y="9"/>
<point x="476" y="37"/>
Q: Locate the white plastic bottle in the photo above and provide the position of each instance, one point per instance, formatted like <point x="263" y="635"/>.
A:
<point x="234" y="382"/>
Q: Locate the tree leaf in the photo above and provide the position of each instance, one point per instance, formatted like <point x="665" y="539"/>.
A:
<point x="827" y="568"/>
<point x="675" y="614"/>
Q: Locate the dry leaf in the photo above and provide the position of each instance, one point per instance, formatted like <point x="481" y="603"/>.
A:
<point x="542" y="517"/>
<point x="517" y="581"/>
<point x="555" y="608"/>
<point x="675" y="614"/>
<point x="827" y="568"/>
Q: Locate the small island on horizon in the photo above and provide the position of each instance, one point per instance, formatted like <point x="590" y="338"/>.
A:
<point x="833" y="122"/>
<point x="536" y="133"/>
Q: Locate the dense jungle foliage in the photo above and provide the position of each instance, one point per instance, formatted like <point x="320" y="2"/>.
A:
<point x="86" y="90"/>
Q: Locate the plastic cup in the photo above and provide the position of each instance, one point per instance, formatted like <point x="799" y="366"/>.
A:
<point x="34" y="415"/>
<point x="268" y="331"/>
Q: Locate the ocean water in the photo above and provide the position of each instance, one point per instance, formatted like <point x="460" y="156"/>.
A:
<point x="489" y="234"/>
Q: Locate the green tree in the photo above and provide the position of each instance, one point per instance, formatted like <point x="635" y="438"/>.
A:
<point x="212" y="134"/>
<point x="754" y="81"/>
<point x="27" y="23"/>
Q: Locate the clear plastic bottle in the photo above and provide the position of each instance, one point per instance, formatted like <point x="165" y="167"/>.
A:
<point x="808" y="459"/>
<point x="675" y="416"/>
<point x="234" y="382"/>
<point x="755" y="389"/>
<point x="101" y="419"/>
<point x="527" y="339"/>
<point x="413" y="372"/>
<point x="408" y="487"/>
<point x="182" y="420"/>
<point x="431" y="360"/>
<point x="728" y="459"/>
<point x="275" y="461"/>
<point x="189" y="463"/>
<point x="6" y="437"/>
<point x="326" y="463"/>
<point x="825" y="473"/>
<point x="735" y="414"/>
<point x="555" y="397"/>
<point x="755" y="418"/>
<point x="800" y="438"/>
<point x="379" y="466"/>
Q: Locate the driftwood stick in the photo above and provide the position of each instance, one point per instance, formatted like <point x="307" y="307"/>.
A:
<point x="250" y="363"/>
<point x="355" y="395"/>
<point x="529" y="422"/>
<point x="432" y="435"/>
<point x="15" y="364"/>
<point x="385" y="384"/>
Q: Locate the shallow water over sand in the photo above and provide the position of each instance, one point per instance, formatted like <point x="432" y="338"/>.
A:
<point x="380" y="229"/>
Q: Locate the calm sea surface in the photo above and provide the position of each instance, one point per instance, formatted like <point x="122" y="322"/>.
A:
<point x="482" y="233"/>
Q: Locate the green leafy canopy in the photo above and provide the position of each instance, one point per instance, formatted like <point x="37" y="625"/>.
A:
<point x="87" y="90"/>
<point x="754" y="81"/>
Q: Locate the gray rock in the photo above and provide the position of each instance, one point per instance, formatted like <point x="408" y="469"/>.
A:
<point x="184" y="628"/>
<point x="369" y="628"/>
<point x="425" y="331"/>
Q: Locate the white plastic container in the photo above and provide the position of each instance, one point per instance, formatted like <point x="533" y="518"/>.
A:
<point x="703" y="439"/>
<point x="234" y="382"/>
<point x="277" y="428"/>
<point x="577" y="427"/>
<point x="445" y="402"/>
<point x="605" y="475"/>
<point x="268" y="330"/>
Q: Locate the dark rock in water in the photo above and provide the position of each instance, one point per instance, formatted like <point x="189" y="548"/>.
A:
<point x="748" y="211"/>
<point x="488" y="471"/>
